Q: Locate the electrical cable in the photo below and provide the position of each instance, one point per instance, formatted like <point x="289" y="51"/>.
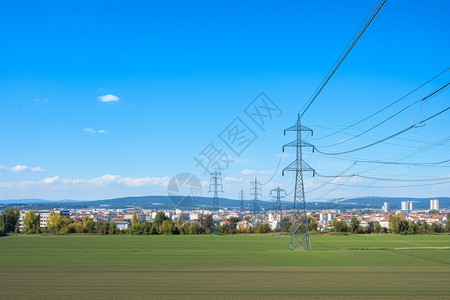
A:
<point x="385" y="139"/>
<point x="384" y="108"/>
<point x="340" y="60"/>
<point x="390" y="117"/>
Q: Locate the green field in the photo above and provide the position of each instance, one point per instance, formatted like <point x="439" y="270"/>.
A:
<point x="224" y="267"/>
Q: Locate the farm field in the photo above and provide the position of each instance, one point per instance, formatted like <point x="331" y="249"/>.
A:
<point x="224" y="267"/>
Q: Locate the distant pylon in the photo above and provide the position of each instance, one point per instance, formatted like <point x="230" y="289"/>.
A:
<point x="255" y="191"/>
<point x="241" y="197"/>
<point x="216" y="187"/>
<point x="280" y="193"/>
<point x="299" y="228"/>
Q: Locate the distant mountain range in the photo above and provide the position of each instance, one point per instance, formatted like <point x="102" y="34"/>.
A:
<point x="166" y="202"/>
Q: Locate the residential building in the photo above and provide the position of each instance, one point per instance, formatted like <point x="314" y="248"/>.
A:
<point x="406" y="205"/>
<point x="434" y="204"/>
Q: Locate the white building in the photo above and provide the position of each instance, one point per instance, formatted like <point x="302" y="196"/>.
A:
<point x="406" y="205"/>
<point x="385" y="207"/>
<point x="384" y="223"/>
<point x="122" y="225"/>
<point x="434" y="204"/>
<point x="326" y="217"/>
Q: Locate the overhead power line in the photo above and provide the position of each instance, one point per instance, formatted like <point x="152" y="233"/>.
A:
<point x="388" y="186"/>
<point x="392" y="116"/>
<point x="340" y="60"/>
<point x="382" y="109"/>
<point x="403" y="163"/>
<point x="386" y="138"/>
<point x="382" y="179"/>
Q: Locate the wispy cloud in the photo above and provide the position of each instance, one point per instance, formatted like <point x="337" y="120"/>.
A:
<point x="233" y="179"/>
<point x="263" y="172"/>
<point x="108" y="98"/>
<point x="40" y="100"/>
<point x="248" y="172"/>
<point x="101" y="181"/>
<point x="20" y="168"/>
<point x="91" y="130"/>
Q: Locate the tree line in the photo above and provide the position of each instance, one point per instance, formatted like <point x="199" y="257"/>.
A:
<point x="56" y="224"/>
<point x="397" y="225"/>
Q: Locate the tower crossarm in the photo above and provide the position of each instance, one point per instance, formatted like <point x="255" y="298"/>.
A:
<point x="295" y="166"/>
<point x="302" y="144"/>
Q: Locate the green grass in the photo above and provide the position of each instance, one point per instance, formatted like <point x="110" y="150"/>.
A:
<point x="224" y="267"/>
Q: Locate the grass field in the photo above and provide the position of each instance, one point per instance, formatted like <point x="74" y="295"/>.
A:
<point x="224" y="267"/>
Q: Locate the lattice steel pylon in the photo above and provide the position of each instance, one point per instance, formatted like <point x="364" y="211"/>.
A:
<point x="216" y="187"/>
<point x="299" y="228"/>
<point x="255" y="191"/>
<point x="241" y="197"/>
<point x="280" y="193"/>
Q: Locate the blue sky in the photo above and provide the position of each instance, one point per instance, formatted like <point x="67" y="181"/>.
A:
<point x="103" y="99"/>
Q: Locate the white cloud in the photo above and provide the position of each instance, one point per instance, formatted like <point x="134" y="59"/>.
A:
<point x="233" y="179"/>
<point x="101" y="181"/>
<point x="248" y="172"/>
<point x="49" y="179"/>
<point x="20" y="168"/>
<point x="91" y="130"/>
<point x="40" y="100"/>
<point x="108" y="98"/>
<point x="266" y="172"/>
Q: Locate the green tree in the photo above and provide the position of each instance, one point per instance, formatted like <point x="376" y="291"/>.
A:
<point x="397" y="224"/>
<point x="354" y="224"/>
<point x="167" y="226"/>
<point x="287" y="222"/>
<point x="112" y="228"/>
<point x="263" y="227"/>
<point x="65" y="222"/>
<point x="180" y="222"/>
<point x="224" y="229"/>
<point x="154" y="229"/>
<point x="31" y="222"/>
<point x="339" y="226"/>
<point x="206" y="223"/>
<point x="377" y="228"/>
<point x="233" y="222"/>
<point x="194" y="228"/>
<point x="159" y="218"/>
<point x="88" y="224"/>
<point x="134" y="219"/>
<point x="447" y="224"/>
<point x="434" y="227"/>
<point x="433" y="212"/>
<point x="102" y="227"/>
<point x="75" y="227"/>
<point x="54" y="222"/>
<point x="9" y="220"/>
<point x="422" y="227"/>
<point x="412" y="228"/>
<point x="312" y="223"/>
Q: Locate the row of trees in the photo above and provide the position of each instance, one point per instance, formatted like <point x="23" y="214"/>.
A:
<point x="9" y="223"/>
<point x="397" y="225"/>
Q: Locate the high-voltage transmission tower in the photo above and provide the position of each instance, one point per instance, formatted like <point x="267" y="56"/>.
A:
<point x="255" y="191"/>
<point x="299" y="228"/>
<point x="216" y="187"/>
<point x="278" y="194"/>
<point x="241" y="197"/>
